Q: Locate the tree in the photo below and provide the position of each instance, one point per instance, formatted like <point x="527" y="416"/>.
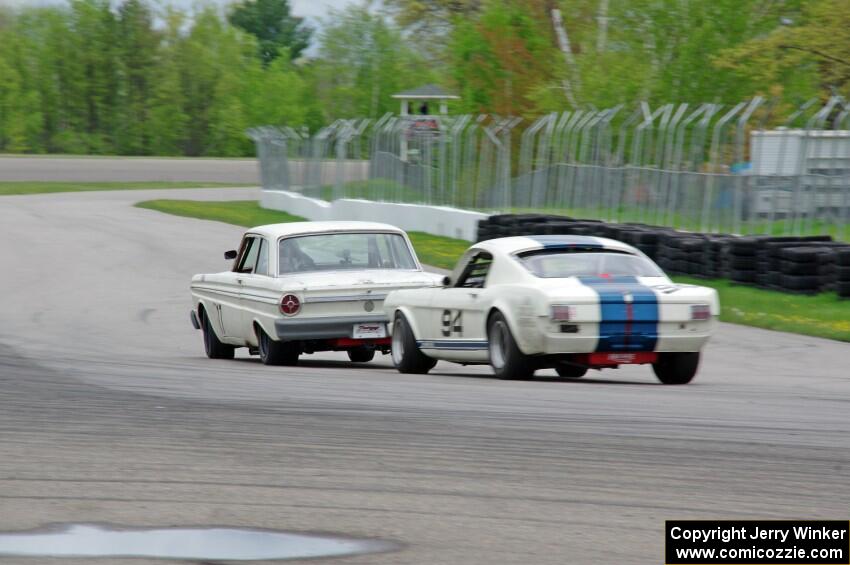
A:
<point x="274" y="26"/>
<point x="362" y="61"/>
<point x="808" y="56"/>
<point x="433" y="18"/>
<point x="500" y="59"/>
<point x="20" y="119"/>
<point x="138" y="46"/>
<point x="167" y="115"/>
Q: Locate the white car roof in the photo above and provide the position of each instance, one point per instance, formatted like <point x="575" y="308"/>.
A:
<point x="274" y="231"/>
<point x="518" y="244"/>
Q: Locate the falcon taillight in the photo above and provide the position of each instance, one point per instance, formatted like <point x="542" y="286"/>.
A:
<point x="290" y="305"/>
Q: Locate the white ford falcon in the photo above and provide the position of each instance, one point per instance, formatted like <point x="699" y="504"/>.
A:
<point x="564" y="302"/>
<point x="305" y="287"/>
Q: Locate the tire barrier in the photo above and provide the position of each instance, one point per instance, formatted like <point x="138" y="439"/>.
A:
<point x="803" y="265"/>
<point x="842" y="272"/>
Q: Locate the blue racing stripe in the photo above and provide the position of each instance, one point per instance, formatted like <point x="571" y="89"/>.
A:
<point x="629" y="313"/>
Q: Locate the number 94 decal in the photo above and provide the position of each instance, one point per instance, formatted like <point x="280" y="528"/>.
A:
<point x="452" y="323"/>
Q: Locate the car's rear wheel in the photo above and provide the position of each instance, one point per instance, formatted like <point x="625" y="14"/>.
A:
<point x="507" y="360"/>
<point x="407" y="357"/>
<point x="276" y="352"/>
<point x="213" y="347"/>
<point x="676" y="368"/>
<point x="361" y="355"/>
<point x="568" y="371"/>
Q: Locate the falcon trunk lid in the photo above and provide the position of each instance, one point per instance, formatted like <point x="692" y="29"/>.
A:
<point x="349" y="292"/>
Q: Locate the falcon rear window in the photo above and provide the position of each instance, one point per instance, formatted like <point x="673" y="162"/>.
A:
<point x="344" y="251"/>
<point x="553" y="264"/>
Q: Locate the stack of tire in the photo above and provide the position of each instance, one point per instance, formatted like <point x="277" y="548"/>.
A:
<point x="694" y="249"/>
<point x="790" y="264"/>
<point x="769" y="257"/>
<point x="716" y="256"/>
<point x="743" y="265"/>
<point x="808" y="269"/>
<point x="506" y="225"/>
<point x="682" y="253"/>
<point x="842" y="272"/>
<point x="640" y="236"/>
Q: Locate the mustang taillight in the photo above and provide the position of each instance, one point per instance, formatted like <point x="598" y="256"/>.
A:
<point x="561" y="313"/>
<point x="290" y="305"/>
<point x="700" y="312"/>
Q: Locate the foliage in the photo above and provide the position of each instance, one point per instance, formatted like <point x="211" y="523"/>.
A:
<point x="274" y="26"/>
<point x="498" y="59"/>
<point x="808" y="57"/>
<point x="362" y="61"/>
<point x="131" y="77"/>
<point x="84" y="79"/>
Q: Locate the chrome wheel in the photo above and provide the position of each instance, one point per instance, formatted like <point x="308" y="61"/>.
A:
<point x="405" y="353"/>
<point x="264" y="346"/>
<point x="397" y="346"/>
<point x="498" y="344"/>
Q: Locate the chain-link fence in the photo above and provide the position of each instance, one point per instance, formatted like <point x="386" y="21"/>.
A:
<point x="708" y="167"/>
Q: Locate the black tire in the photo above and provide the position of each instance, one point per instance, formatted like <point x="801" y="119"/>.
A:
<point x="569" y="371"/>
<point x="507" y="360"/>
<point x="676" y="368"/>
<point x="276" y="352"/>
<point x="213" y="347"/>
<point x="801" y="282"/>
<point x="407" y="357"/>
<point x="742" y="263"/>
<point x="742" y="276"/>
<point x="801" y="254"/>
<point x="361" y="355"/>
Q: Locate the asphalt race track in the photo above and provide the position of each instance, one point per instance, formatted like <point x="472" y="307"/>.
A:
<point x="110" y="413"/>
<point x="127" y="169"/>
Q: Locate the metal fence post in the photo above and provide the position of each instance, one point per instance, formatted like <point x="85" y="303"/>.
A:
<point x="739" y="223"/>
<point x="714" y="159"/>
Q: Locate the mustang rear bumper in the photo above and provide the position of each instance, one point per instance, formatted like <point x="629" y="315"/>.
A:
<point x="296" y="329"/>
<point x="584" y="337"/>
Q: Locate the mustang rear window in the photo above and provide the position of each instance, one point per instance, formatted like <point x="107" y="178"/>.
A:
<point x="344" y="251"/>
<point x="553" y="264"/>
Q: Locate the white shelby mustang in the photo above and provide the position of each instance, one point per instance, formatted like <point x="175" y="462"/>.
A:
<point x="305" y="287"/>
<point x="566" y="302"/>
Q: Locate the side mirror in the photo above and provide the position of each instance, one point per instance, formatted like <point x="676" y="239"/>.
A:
<point x="447" y="281"/>
<point x="230" y="255"/>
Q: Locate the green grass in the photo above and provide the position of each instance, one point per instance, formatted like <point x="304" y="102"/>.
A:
<point x="31" y="187"/>
<point x="432" y="250"/>
<point x="822" y="315"/>
<point x="436" y="250"/>
<point x="245" y="213"/>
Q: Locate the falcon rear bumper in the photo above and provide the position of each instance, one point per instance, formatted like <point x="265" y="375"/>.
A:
<point x="298" y="329"/>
